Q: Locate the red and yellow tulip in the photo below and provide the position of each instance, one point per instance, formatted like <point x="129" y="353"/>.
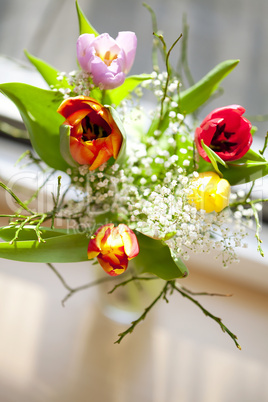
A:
<point x="113" y="247"/>
<point x="94" y="135"/>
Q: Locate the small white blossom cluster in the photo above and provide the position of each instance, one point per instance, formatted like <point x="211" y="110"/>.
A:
<point x="157" y="85"/>
<point x="79" y="83"/>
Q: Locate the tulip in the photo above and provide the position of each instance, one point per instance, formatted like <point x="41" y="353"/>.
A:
<point x="94" y="135"/>
<point x="226" y="132"/>
<point x="209" y="192"/>
<point x="106" y="59"/>
<point x="113" y="247"/>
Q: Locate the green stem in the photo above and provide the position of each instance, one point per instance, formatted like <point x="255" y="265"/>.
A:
<point x="56" y="202"/>
<point x="18" y="201"/>
<point x="258" y="228"/>
<point x="265" y="144"/>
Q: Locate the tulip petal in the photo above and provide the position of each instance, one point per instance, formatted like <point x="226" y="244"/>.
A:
<point x="111" y="270"/>
<point x="130" y="241"/>
<point x="93" y="249"/>
<point x="128" y="42"/>
<point x="80" y="152"/>
<point x="104" y="77"/>
<point x="103" y="156"/>
<point x="84" y="50"/>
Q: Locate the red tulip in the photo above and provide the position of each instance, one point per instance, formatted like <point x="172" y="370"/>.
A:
<point x="113" y="247"/>
<point x="226" y="132"/>
<point x="94" y="136"/>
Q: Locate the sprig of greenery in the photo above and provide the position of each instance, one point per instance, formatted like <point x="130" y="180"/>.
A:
<point x="258" y="228"/>
<point x="56" y="202"/>
<point x="186" y="293"/>
<point x="169" y="287"/>
<point x="17" y="200"/>
<point x="265" y="144"/>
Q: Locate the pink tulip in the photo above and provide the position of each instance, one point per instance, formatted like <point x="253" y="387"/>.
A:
<point x="106" y="59"/>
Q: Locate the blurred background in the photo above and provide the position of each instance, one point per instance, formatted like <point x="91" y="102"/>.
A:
<point x="52" y="354"/>
<point x="233" y="29"/>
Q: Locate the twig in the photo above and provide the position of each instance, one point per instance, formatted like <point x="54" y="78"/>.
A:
<point x="208" y="314"/>
<point x="71" y="291"/>
<point x="204" y="293"/>
<point x="144" y="314"/>
<point x="133" y="278"/>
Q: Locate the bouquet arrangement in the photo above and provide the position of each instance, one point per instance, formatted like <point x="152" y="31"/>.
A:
<point x="146" y="181"/>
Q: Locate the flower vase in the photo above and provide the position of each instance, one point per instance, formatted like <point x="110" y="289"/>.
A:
<point x="126" y="302"/>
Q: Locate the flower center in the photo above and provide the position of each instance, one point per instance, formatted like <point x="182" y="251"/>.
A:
<point x="107" y="58"/>
<point x="92" y="131"/>
<point x="221" y="140"/>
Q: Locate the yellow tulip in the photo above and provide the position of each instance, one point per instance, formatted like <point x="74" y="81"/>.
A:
<point x="209" y="192"/>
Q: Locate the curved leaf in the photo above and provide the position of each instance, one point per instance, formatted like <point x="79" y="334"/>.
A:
<point x="250" y="156"/>
<point x="38" y="108"/>
<point x="84" y="25"/>
<point x="193" y="97"/>
<point x="65" y="248"/>
<point x="155" y="258"/>
<point x="245" y="173"/>
<point x="48" y="72"/>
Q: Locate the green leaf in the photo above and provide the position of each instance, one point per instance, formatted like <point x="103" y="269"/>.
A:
<point x="251" y="166"/>
<point x="245" y="173"/>
<point x="249" y="156"/>
<point x="38" y="108"/>
<point x="65" y="145"/>
<point x="7" y="233"/>
<point x="213" y="157"/>
<point x="48" y="72"/>
<point x="84" y="24"/>
<point x="193" y="97"/>
<point x="155" y="258"/>
<point x="65" y="248"/>
<point x="115" y="96"/>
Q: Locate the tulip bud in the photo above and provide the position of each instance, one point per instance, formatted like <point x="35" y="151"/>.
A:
<point x="113" y="247"/>
<point x="209" y="192"/>
<point x="94" y="136"/>
<point x="226" y="132"/>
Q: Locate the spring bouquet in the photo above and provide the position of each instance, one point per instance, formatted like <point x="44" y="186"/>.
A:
<point x="144" y="179"/>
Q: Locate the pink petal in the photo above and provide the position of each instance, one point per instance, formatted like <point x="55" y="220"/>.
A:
<point x="103" y="44"/>
<point x="84" y="50"/>
<point x="104" y="77"/>
<point x="128" y="43"/>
